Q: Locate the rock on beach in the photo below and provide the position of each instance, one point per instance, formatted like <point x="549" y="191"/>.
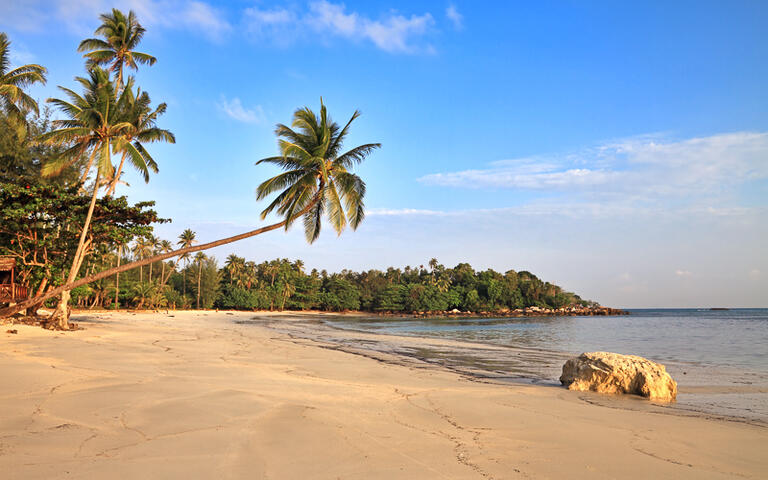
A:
<point x="606" y="372"/>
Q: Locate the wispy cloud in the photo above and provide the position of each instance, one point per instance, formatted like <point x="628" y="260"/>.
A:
<point x="456" y="18"/>
<point x="683" y="273"/>
<point x="394" y="32"/>
<point x="700" y="174"/>
<point x="234" y="109"/>
<point x="81" y="16"/>
<point x="318" y="20"/>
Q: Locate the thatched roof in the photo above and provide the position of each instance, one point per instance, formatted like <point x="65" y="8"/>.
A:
<point x="7" y="263"/>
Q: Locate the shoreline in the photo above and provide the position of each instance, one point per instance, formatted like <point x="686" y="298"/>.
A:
<point x="401" y="346"/>
<point x="194" y="394"/>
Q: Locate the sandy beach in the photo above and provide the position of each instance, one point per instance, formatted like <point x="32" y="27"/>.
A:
<point x="195" y="395"/>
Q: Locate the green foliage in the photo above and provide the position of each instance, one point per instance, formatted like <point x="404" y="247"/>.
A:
<point x="240" y="299"/>
<point x="339" y="294"/>
<point x="41" y="227"/>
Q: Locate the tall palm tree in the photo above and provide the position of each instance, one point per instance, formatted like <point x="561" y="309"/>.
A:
<point x="186" y="239"/>
<point x="249" y="274"/>
<point x="121" y="34"/>
<point x="234" y="266"/>
<point x="164" y="246"/>
<point x="117" y="276"/>
<point x="93" y="125"/>
<point x="199" y="259"/>
<point x="96" y="127"/>
<point x="144" y="248"/>
<point x="14" y="101"/>
<point x="312" y="162"/>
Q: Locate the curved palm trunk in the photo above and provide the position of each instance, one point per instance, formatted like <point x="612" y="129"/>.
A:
<point x="60" y="317"/>
<point x="5" y="312"/>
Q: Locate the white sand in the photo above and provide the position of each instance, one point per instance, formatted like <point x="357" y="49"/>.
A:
<point x="195" y="396"/>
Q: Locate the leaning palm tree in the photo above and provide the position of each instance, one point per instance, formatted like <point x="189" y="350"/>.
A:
<point x="121" y="35"/>
<point x="316" y="175"/>
<point x="186" y="239"/>
<point x="14" y="101"/>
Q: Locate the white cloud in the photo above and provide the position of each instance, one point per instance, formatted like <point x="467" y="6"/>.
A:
<point x="455" y="17"/>
<point x="82" y="16"/>
<point x="234" y="109"/>
<point x="520" y="176"/>
<point x="392" y="33"/>
<point x="683" y="273"/>
<point x="698" y="175"/>
<point x="202" y="17"/>
<point x="264" y="22"/>
<point x="395" y="212"/>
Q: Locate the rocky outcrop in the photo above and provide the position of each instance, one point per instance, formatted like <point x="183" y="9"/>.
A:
<point x="606" y="372"/>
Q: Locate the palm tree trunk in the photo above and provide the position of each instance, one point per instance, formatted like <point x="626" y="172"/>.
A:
<point x="199" y="274"/>
<point x="60" y="316"/>
<point x="117" y="277"/>
<point x="150" y="273"/>
<point x="5" y="312"/>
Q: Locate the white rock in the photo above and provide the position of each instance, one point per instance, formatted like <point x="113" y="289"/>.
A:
<point x="606" y="372"/>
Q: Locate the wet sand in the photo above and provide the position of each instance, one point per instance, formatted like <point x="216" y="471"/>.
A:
<point x="196" y="395"/>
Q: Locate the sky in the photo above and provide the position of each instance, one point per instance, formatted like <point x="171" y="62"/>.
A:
<point x="617" y="149"/>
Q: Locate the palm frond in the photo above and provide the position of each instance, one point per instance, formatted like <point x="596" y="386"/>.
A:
<point x="356" y="155"/>
<point x="334" y="207"/>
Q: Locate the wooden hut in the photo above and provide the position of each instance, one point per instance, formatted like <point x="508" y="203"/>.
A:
<point x="10" y="292"/>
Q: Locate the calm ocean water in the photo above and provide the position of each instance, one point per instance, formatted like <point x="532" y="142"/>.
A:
<point x="719" y="358"/>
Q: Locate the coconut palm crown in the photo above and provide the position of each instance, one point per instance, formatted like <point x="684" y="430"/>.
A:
<point x="142" y="119"/>
<point x="101" y="122"/>
<point x="317" y="181"/>
<point x="14" y="101"/>
<point x="121" y="35"/>
<point x="92" y="126"/>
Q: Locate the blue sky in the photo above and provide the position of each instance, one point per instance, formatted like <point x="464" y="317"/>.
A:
<point x="617" y="149"/>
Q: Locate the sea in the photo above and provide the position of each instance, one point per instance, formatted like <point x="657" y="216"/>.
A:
<point x="718" y="357"/>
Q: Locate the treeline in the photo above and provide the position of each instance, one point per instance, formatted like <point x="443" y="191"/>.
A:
<point x="286" y="285"/>
<point x="282" y="284"/>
